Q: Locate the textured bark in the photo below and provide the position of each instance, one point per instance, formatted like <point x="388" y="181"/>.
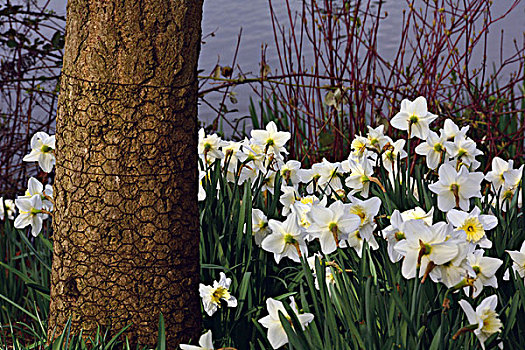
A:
<point x="126" y="241"/>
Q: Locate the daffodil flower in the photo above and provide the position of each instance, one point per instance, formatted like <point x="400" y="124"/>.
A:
<point x="485" y="268"/>
<point x="505" y="180"/>
<point x="35" y="187"/>
<point x="205" y="343"/>
<point x="30" y="213"/>
<point x="451" y="130"/>
<point x="433" y="149"/>
<point x="464" y="150"/>
<point x="454" y="189"/>
<point x="271" y="139"/>
<point x="454" y="271"/>
<point x="484" y="321"/>
<point x="360" y="146"/>
<point x="289" y="172"/>
<point x="377" y="138"/>
<point x="286" y="239"/>
<point x="260" y="227"/>
<point x="393" y="234"/>
<point x="394" y="151"/>
<point x="209" y="147"/>
<point x="212" y="295"/>
<point x="424" y="245"/>
<point x="474" y="224"/>
<point x="276" y="333"/>
<point x="287" y="198"/>
<point x="332" y="225"/>
<point x="361" y="174"/>
<point x="414" y="117"/>
<point x="329" y="176"/>
<point x="42" y="151"/>
<point x="302" y="208"/>
<point x="418" y="214"/>
<point x="366" y="210"/>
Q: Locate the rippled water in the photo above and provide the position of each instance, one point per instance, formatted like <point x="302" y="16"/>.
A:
<point x="225" y="18"/>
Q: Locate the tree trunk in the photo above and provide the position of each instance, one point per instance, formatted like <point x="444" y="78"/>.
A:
<point x="126" y="241"/>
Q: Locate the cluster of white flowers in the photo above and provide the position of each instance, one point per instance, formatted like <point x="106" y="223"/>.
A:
<point x="331" y="202"/>
<point x="37" y="202"/>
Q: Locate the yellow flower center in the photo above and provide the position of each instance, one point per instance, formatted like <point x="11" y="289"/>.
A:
<point x="473" y="229"/>
<point x="399" y="235"/>
<point x="438" y="147"/>
<point x="491" y="322"/>
<point x="219" y="293"/>
<point x="288" y="239"/>
<point x="307" y="200"/>
<point x="359" y="211"/>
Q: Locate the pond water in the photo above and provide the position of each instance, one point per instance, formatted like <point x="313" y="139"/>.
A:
<point x="225" y="18"/>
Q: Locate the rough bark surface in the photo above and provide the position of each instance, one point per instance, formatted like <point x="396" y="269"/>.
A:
<point x="126" y="241"/>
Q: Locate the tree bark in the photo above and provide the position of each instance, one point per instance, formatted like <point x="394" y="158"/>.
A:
<point x="126" y="228"/>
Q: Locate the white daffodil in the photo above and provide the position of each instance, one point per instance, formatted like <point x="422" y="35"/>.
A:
<point x="393" y="153"/>
<point x="485" y="269"/>
<point x="393" y="234"/>
<point x="30" y="213"/>
<point x="332" y="225"/>
<point x="356" y="241"/>
<point x="260" y="227"/>
<point x="231" y="159"/>
<point x="42" y="151"/>
<point x="451" y="130"/>
<point x="311" y="177"/>
<point x="518" y="260"/>
<point x="209" y="147"/>
<point x="418" y="214"/>
<point x="212" y="295"/>
<point x="271" y="140"/>
<point x="474" y="224"/>
<point x="205" y="343"/>
<point x="484" y="319"/>
<point x="268" y="182"/>
<point x="499" y="167"/>
<point x="456" y="270"/>
<point x="288" y="198"/>
<point x="360" y="146"/>
<point x="464" y="150"/>
<point x="454" y="189"/>
<point x="510" y="189"/>
<point x="377" y="138"/>
<point x="252" y="155"/>
<point x="289" y="172"/>
<point x="501" y="170"/>
<point x="414" y="117"/>
<point x="276" y="333"/>
<point x="302" y="208"/>
<point x="360" y="174"/>
<point x="424" y="245"/>
<point x="329" y="176"/>
<point x="286" y="239"/>
<point x="433" y="149"/>
<point x="366" y="210"/>
<point x="35" y="187"/>
<point x="10" y="209"/>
